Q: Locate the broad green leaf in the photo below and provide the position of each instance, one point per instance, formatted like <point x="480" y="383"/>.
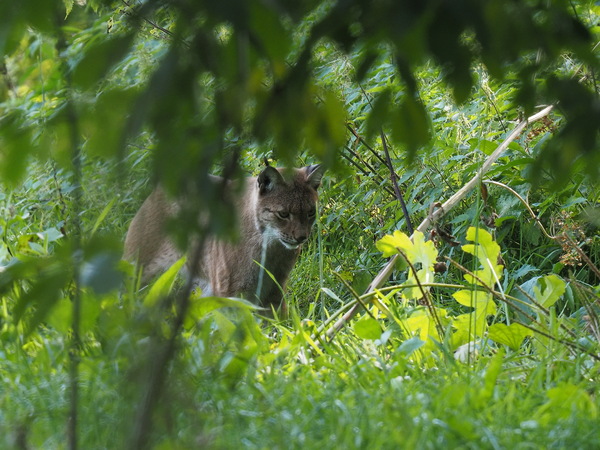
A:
<point x="487" y="252"/>
<point x="417" y="251"/>
<point x="479" y="300"/>
<point x="15" y="148"/>
<point x="44" y="293"/>
<point x="511" y="335"/>
<point x="422" y="324"/>
<point x="201" y="306"/>
<point x="163" y="285"/>
<point x="549" y="289"/>
<point x="367" y="328"/>
<point x="390" y="244"/>
<point x="411" y="345"/>
<point x="410" y="124"/>
<point x="50" y="235"/>
<point x="379" y="113"/>
<point x="421" y="254"/>
<point x="475" y="323"/>
<point x="424" y="252"/>
<point x="101" y="272"/>
<point x="104" y="123"/>
<point x="412" y="293"/>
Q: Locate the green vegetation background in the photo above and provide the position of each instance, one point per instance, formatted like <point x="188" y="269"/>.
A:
<point x="485" y="337"/>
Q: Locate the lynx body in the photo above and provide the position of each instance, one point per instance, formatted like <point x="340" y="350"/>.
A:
<point x="275" y="213"/>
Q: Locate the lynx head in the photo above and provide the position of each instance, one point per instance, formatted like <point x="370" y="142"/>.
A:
<point x="287" y="204"/>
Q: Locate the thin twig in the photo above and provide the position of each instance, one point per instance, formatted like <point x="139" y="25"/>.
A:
<point x="365" y="143"/>
<point x="153" y="24"/>
<point x="583" y="256"/>
<point x="425" y="294"/>
<point x="362" y="170"/>
<point x="394" y="180"/>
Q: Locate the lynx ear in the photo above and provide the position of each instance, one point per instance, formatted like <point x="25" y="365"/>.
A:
<point x="314" y="174"/>
<point x="268" y="179"/>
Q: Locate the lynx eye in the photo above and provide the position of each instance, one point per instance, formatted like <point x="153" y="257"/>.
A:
<point x="312" y="214"/>
<point x="282" y="215"/>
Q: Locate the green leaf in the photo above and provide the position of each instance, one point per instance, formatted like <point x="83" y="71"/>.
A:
<point x="15" y="148"/>
<point x="417" y="251"/>
<point x="411" y="345"/>
<point x="487" y="252"/>
<point x="549" y="289"/>
<point x="410" y="124"/>
<point x="104" y="123"/>
<point x="103" y="215"/>
<point x="390" y="244"/>
<point x="563" y="401"/>
<point x="511" y="335"/>
<point x="367" y="328"/>
<point x="68" y="7"/>
<point x="163" y="285"/>
<point x="491" y="376"/>
<point x="51" y="278"/>
<point x="379" y="114"/>
<point x="201" y="306"/>
<point x="98" y="59"/>
<point x="422" y="324"/>
<point x="475" y="323"/>
<point x="479" y="300"/>
<point x="61" y="315"/>
<point x="101" y="274"/>
<point x="421" y="254"/>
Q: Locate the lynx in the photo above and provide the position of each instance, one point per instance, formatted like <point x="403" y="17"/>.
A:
<point x="275" y="213"/>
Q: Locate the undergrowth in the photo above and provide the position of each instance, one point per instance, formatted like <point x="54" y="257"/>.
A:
<point x="485" y="334"/>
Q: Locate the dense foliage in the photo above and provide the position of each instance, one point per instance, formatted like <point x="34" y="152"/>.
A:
<point x="487" y="335"/>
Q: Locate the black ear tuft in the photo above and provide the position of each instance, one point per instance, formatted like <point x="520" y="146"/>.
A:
<point x="314" y="175"/>
<point x="268" y="179"/>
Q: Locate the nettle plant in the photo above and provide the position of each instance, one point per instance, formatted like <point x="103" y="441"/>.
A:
<point x="494" y="318"/>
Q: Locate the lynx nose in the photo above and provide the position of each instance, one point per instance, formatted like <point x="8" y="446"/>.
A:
<point x="301" y="238"/>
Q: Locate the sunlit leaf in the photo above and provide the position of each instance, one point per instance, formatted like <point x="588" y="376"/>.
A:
<point x="418" y="251"/>
<point x="421" y="324"/>
<point x="367" y="328"/>
<point x="475" y="323"/>
<point x="549" y="289"/>
<point x="511" y="335"/>
<point x="390" y="244"/>
<point x="487" y="251"/>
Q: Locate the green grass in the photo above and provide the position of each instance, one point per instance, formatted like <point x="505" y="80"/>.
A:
<point x="235" y="383"/>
